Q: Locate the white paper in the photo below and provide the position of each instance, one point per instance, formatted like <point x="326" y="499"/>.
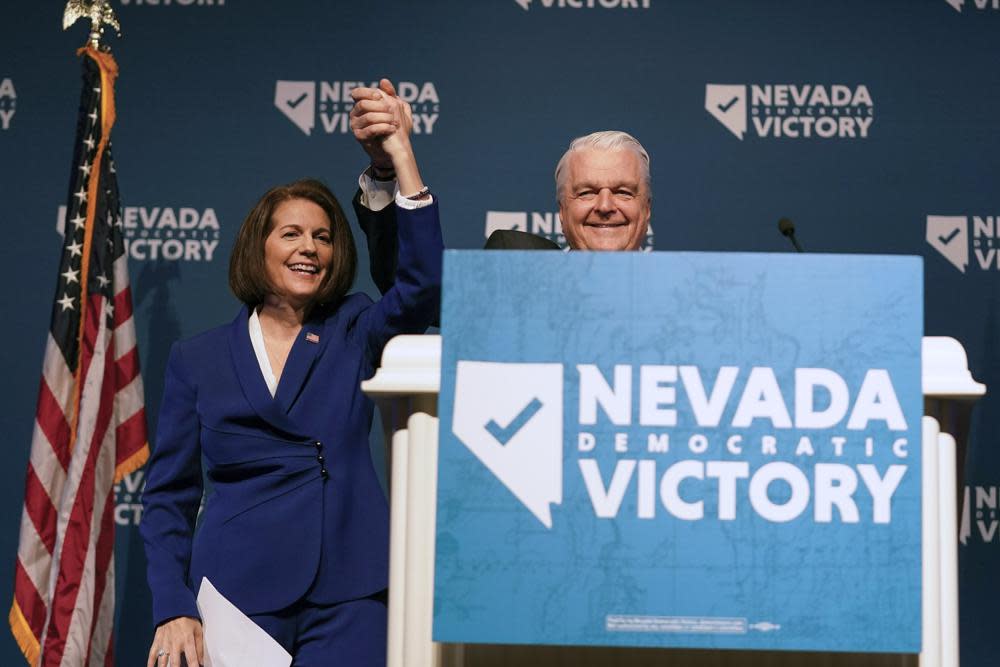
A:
<point x="231" y="638"/>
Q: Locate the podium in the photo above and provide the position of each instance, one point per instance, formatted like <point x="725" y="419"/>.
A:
<point x="406" y="388"/>
<point x="676" y="458"/>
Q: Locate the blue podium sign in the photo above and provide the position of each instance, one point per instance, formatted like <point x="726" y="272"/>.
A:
<point x="680" y="449"/>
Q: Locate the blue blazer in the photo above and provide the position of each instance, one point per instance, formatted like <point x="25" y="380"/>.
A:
<point x="297" y="509"/>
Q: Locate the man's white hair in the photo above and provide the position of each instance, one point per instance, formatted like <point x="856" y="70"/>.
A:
<point x="605" y="140"/>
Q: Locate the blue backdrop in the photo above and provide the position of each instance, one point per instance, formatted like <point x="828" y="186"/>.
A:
<point x="213" y="98"/>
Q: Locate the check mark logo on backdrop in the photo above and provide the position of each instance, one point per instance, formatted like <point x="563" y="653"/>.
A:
<point x="297" y="101"/>
<point x="947" y="239"/>
<point x="728" y="105"/>
<point x="503" y="434"/>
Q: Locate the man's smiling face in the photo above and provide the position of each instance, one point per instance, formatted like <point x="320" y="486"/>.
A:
<point x="605" y="203"/>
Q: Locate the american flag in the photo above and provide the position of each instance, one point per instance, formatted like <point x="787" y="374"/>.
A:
<point x="90" y="423"/>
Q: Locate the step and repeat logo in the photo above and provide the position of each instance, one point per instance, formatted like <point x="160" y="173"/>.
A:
<point x="128" y="498"/>
<point x="949" y="235"/>
<point x="303" y="102"/>
<point x="8" y="103"/>
<point x="174" y="234"/>
<point x="518" y="435"/>
<point x="546" y="224"/>
<point x="791" y="111"/>
<point x="978" y="4"/>
<point x="980" y="522"/>
<point x="584" y="4"/>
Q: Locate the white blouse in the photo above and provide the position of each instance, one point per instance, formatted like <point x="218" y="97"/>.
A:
<point x="257" y="339"/>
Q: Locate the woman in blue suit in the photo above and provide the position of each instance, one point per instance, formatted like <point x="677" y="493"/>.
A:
<point x="296" y="531"/>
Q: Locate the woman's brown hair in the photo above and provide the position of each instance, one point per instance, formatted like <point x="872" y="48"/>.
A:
<point x="247" y="277"/>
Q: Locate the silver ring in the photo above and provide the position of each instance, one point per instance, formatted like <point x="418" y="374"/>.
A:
<point x="160" y="654"/>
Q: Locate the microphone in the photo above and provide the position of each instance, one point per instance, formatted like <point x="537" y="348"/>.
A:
<point x="787" y="228"/>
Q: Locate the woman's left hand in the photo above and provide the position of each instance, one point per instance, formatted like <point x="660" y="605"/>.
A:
<point x="174" y="638"/>
<point x="397" y="144"/>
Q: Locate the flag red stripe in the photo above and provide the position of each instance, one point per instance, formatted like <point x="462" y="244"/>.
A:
<point x="88" y="338"/>
<point x="131" y="436"/>
<point x="53" y="423"/>
<point x="77" y="539"/>
<point x="126" y="368"/>
<point x="123" y="306"/>
<point x="27" y="598"/>
<point x="71" y="564"/>
<point x="109" y="655"/>
<point x="40" y="509"/>
<point x="102" y="559"/>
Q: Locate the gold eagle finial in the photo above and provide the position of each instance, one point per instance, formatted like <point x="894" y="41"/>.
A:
<point x="100" y="14"/>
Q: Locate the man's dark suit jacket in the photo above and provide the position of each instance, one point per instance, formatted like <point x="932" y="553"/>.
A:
<point x="511" y="239"/>
<point x="380" y="229"/>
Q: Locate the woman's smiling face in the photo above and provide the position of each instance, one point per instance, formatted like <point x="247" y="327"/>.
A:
<point x="298" y="251"/>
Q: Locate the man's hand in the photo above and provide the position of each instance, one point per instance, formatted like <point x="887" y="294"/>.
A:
<point x="180" y="636"/>
<point x="381" y="122"/>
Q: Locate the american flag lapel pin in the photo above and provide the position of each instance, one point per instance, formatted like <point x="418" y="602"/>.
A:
<point x="312" y="338"/>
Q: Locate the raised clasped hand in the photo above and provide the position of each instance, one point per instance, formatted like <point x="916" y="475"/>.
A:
<point x="381" y="122"/>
